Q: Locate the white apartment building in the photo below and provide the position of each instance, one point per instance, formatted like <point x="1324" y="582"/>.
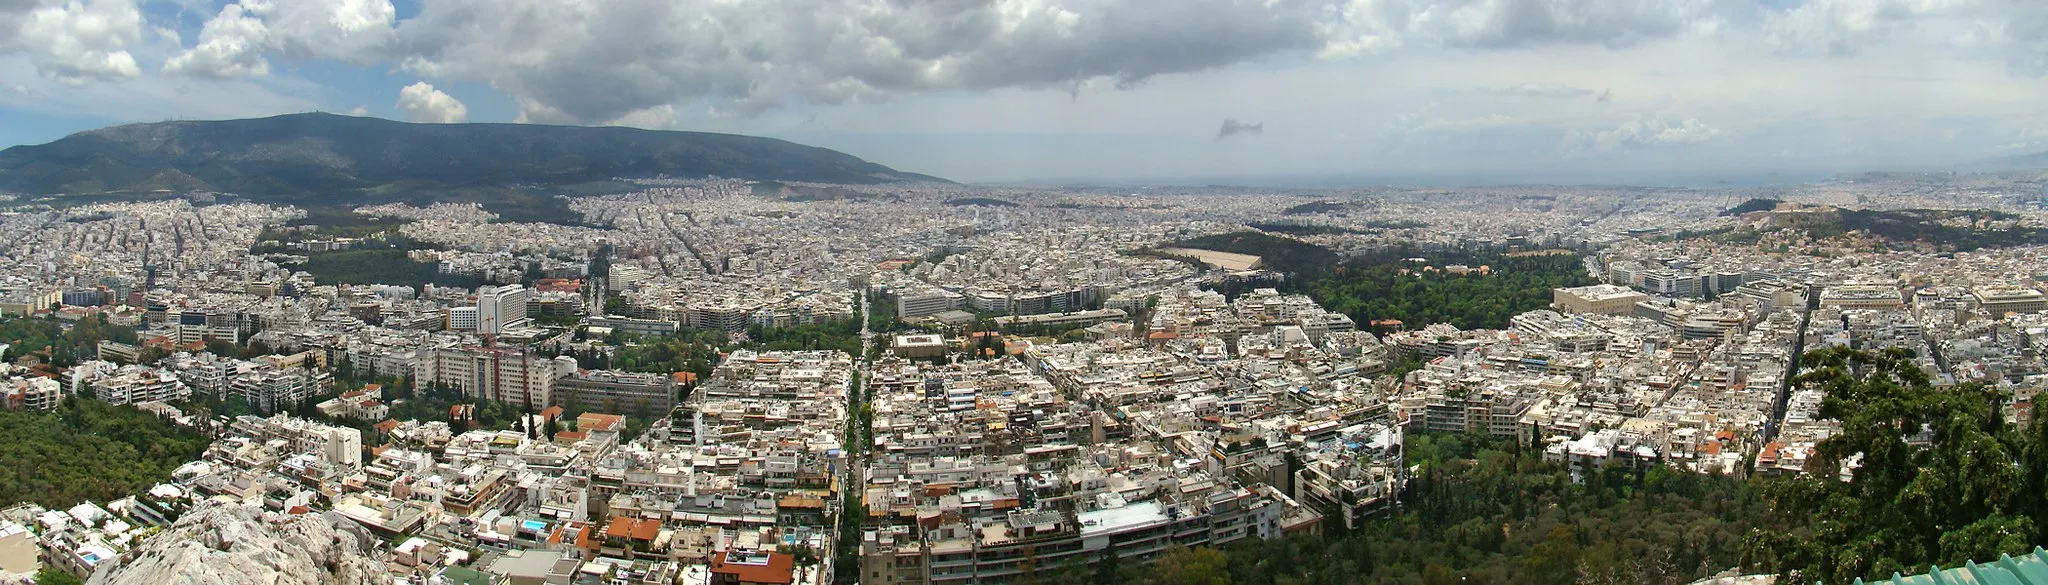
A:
<point x="32" y="393"/>
<point x="927" y="302"/>
<point x="1773" y="294"/>
<point x="505" y="375"/>
<point x="270" y="390"/>
<point x="130" y="384"/>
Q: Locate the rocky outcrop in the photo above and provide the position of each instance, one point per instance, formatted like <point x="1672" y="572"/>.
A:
<point x="228" y="544"/>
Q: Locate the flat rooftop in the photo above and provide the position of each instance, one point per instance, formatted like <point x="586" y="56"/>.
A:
<point x="1601" y="292"/>
<point x="1122" y="518"/>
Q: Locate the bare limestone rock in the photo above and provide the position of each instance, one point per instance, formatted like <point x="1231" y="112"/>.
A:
<point x="228" y="544"/>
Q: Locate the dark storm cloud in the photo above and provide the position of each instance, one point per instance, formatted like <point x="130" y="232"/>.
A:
<point x="594" y="61"/>
<point x="584" y="61"/>
<point x="1501" y="24"/>
<point x="1234" y="127"/>
<point x="572" y="61"/>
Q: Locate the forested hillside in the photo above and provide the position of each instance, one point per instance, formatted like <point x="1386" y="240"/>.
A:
<point x="88" y="450"/>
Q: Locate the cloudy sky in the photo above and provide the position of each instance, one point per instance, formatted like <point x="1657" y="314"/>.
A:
<point x="1168" y="90"/>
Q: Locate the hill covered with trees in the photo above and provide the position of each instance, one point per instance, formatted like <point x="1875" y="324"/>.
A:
<point x="1750" y="206"/>
<point x="56" y="344"/>
<point x="316" y="153"/>
<point x="322" y="160"/>
<point x="1937" y="476"/>
<point x="1933" y="476"/>
<point x="1502" y="517"/>
<point x="88" y="450"/>
<point x="1481" y="511"/>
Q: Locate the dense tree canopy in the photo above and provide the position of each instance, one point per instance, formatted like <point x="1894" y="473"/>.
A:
<point x="1513" y="518"/>
<point x="1935" y="477"/>
<point x="385" y="266"/>
<point x="1918" y="475"/>
<point x="88" y="450"/>
<point x="839" y="335"/>
<point x="66" y="346"/>
<point x="687" y="351"/>
<point x="1384" y="287"/>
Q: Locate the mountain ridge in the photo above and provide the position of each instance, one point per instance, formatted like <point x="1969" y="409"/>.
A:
<point x="321" y="154"/>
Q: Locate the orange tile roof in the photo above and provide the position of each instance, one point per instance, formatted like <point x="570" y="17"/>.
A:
<point x="780" y="568"/>
<point x="633" y="528"/>
<point x="593" y="421"/>
<point x="583" y="539"/>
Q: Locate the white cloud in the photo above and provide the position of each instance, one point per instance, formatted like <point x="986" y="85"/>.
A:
<point x="233" y="43"/>
<point x="73" y="41"/>
<point x="1641" y="133"/>
<point x="1843" y="27"/>
<point x="152" y="98"/>
<point x="1495" y="80"/>
<point x="621" y="61"/>
<point x="422" y="103"/>
<point x="565" y="61"/>
<point x="571" y="61"/>
<point x="1364" y="27"/>
<point x="230" y="45"/>
<point x="348" y="30"/>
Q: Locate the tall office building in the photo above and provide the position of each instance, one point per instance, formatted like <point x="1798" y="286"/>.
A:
<point x="462" y="319"/>
<point x="500" y="306"/>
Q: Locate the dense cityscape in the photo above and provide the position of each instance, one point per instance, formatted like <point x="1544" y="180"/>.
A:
<point x="723" y="381"/>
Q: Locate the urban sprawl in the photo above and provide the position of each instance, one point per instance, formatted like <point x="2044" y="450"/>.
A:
<point x="1030" y="378"/>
